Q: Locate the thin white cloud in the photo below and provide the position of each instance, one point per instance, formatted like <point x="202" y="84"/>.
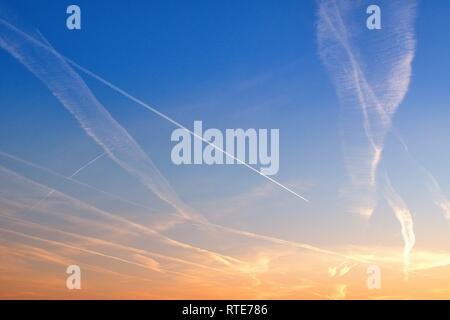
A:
<point x="404" y="216"/>
<point x="53" y="69"/>
<point x="371" y="71"/>
<point x="68" y="87"/>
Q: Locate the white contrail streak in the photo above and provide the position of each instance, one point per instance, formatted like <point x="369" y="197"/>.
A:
<point x="143" y="104"/>
<point x="404" y="217"/>
<point x="116" y="245"/>
<point x="99" y="124"/>
<point x="70" y="177"/>
<point x="247" y="234"/>
<point x="148" y="107"/>
<point x="68" y="87"/>
<point x="371" y="71"/>
<point x="93" y="252"/>
<point x="438" y="196"/>
<point x="129" y="223"/>
<point x="96" y="253"/>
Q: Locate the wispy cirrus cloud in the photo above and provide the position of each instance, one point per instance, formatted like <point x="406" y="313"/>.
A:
<point x="371" y="71"/>
<point x="73" y="93"/>
<point x="55" y="72"/>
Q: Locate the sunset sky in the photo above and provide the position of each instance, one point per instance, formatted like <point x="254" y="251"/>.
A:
<point x="86" y="176"/>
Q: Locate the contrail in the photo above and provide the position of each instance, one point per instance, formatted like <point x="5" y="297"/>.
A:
<point x="247" y="234"/>
<point x="68" y="87"/>
<point x="404" y="217"/>
<point x="78" y="182"/>
<point x="433" y="186"/>
<point x="93" y="252"/>
<point x="438" y="196"/>
<point x="136" y="226"/>
<point x="70" y="177"/>
<point x="96" y="253"/>
<point x="25" y="250"/>
<point x="119" y="246"/>
<point x="99" y="124"/>
<point x="148" y="107"/>
<point x="371" y="71"/>
<point x="22" y="57"/>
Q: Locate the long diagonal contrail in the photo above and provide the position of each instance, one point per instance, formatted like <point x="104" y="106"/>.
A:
<point x="375" y="89"/>
<point x="89" y="251"/>
<point x="136" y="226"/>
<point x="246" y="234"/>
<point x="104" y="130"/>
<point x="146" y="106"/>
<point x="116" y="245"/>
<point x="71" y="176"/>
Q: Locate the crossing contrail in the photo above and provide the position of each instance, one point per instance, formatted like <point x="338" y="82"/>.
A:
<point x="404" y="216"/>
<point x="149" y="231"/>
<point x="371" y="70"/>
<point x="71" y="176"/>
<point x="115" y="217"/>
<point x="54" y="70"/>
<point x="437" y="194"/>
<point x="74" y="77"/>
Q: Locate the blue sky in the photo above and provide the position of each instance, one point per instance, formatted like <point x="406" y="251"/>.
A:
<point x="232" y="64"/>
<point x="229" y="64"/>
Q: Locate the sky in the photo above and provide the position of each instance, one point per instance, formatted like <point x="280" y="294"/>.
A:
<point x="87" y="177"/>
